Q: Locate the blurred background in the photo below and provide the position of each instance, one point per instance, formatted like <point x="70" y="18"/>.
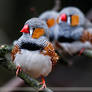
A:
<point x="14" y="13"/>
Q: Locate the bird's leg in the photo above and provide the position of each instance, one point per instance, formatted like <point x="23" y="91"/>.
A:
<point x="43" y="83"/>
<point x="81" y="51"/>
<point x="18" y="70"/>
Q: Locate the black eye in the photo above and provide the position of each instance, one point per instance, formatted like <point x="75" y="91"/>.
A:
<point x="33" y="29"/>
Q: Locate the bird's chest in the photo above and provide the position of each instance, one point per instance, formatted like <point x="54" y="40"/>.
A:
<point x="33" y="62"/>
<point x="67" y="34"/>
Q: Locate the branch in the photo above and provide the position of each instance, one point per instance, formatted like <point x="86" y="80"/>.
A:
<point x="88" y="53"/>
<point x="4" y="49"/>
<point x="57" y="5"/>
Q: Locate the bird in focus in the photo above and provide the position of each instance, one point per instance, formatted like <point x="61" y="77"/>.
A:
<point x="33" y="52"/>
<point x="50" y="17"/>
<point x="75" y="31"/>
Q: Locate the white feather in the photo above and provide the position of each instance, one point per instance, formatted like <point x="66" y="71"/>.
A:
<point x="34" y="63"/>
<point x="76" y="46"/>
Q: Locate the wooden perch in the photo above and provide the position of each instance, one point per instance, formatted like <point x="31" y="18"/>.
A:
<point x="4" y="49"/>
<point x="88" y="53"/>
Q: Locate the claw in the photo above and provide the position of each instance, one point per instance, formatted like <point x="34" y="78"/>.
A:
<point x="43" y="84"/>
<point x="81" y="51"/>
<point x="18" y="70"/>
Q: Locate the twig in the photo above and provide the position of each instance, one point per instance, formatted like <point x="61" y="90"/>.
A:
<point x="4" y="49"/>
<point x="89" y="15"/>
<point x="57" y="5"/>
<point x="88" y="53"/>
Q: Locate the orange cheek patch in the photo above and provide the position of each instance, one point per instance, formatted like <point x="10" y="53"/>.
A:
<point x="74" y="20"/>
<point x="50" y="22"/>
<point x="57" y="20"/>
<point x="38" y="32"/>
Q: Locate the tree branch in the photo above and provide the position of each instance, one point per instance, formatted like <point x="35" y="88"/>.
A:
<point x="88" y="53"/>
<point x="4" y="49"/>
<point x="57" y="5"/>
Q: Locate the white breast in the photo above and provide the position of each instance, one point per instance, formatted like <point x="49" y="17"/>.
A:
<point x="75" y="47"/>
<point x="34" y="63"/>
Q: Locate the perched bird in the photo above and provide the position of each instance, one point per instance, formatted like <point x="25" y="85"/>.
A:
<point x="74" y="31"/>
<point x="50" y="17"/>
<point x="33" y="52"/>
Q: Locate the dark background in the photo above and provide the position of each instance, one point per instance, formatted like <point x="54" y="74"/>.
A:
<point x="14" y="13"/>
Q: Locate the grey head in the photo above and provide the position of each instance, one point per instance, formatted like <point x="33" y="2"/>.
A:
<point x="67" y="30"/>
<point x="74" y="11"/>
<point x="34" y="23"/>
<point x="50" y="17"/>
<point x="33" y="32"/>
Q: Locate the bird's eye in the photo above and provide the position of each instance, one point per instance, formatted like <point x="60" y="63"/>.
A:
<point x="50" y="22"/>
<point x="64" y="17"/>
<point x="33" y="29"/>
<point x="38" y="32"/>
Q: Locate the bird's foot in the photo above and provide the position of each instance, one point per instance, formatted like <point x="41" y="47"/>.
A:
<point x="81" y="51"/>
<point x="43" y="84"/>
<point x="18" y="70"/>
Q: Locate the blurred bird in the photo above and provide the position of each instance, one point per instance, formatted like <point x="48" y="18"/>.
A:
<point x="75" y="31"/>
<point x="33" y="52"/>
<point x="50" y="17"/>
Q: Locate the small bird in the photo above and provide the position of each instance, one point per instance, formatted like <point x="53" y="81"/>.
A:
<point x="50" y="17"/>
<point x="33" y="52"/>
<point x="74" y="32"/>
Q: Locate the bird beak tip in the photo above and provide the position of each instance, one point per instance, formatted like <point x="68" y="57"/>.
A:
<point x="25" y="29"/>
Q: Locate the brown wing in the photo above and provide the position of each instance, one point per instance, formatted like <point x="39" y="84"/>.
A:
<point x="51" y="52"/>
<point x="87" y="36"/>
<point x="15" y="50"/>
